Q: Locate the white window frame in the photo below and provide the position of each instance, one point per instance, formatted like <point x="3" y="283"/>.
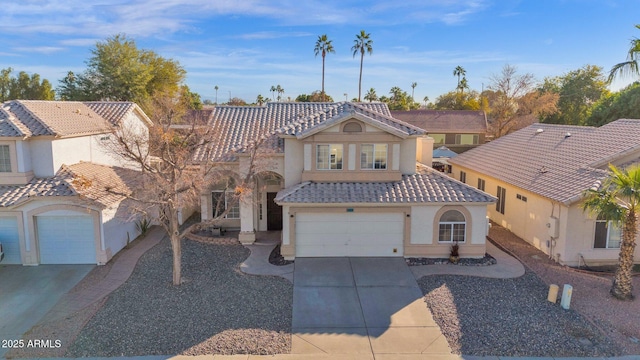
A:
<point x="452" y="225"/>
<point x="463" y="176"/>
<point x="611" y="225"/>
<point x="4" y="162"/>
<point x="234" y="212"/>
<point x="376" y="148"/>
<point x="332" y="163"/>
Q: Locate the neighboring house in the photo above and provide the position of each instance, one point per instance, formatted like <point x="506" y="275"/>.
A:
<point x="343" y="179"/>
<point x="441" y="158"/>
<point x="539" y="174"/>
<point x="458" y="130"/>
<point x="52" y="213"/>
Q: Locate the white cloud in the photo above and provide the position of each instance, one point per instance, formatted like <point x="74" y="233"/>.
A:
<point x="39" y="49"/>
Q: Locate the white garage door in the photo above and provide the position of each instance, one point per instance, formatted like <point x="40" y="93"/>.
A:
<point x="10" y="240"/>
<point x="66" y="239"/>
<point x="349" y="234"/>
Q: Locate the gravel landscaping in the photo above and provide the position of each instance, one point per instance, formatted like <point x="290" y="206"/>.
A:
<point x="619" y="320"/>
<point x="509" y="317"/>
<point x="217" y="310"/>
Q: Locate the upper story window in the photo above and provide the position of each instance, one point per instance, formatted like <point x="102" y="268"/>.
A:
<point x="329" y="157"/>
<point x="438" y="138"/>
<point x="5" y="158"/>
<point x="467" y="139"/>
<point x="608" y="234"/>
<point x="452" y="227"/>
<point x="373" y="156"/>
<point x="463" y="176"/>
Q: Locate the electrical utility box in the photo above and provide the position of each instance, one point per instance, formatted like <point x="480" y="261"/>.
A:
<point x="554" y="227"/>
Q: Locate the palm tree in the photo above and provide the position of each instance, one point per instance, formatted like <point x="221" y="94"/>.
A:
<point x="413" y="87"/>
<point x="260" y="100"/>
<point x="631" y="66"/>
<point x="323" y="46"/>
<point x="618" y="199"/>
<point x="280" y="91"/>
<point x="216" y="87"/>
<point x="362" y="44"/>
<point x="426" y="100"/>
<point x="459" y="71"/>
<point x="463" y="84"/>
<point x="371" y="95"/>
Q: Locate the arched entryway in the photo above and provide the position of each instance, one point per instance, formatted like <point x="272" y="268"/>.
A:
<point x="269" y="214"/>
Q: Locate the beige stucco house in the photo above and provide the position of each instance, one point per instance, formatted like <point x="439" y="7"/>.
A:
<point x="53" y="166"/>
<point x="344" y="179"/>
<point x="539" y="174"/>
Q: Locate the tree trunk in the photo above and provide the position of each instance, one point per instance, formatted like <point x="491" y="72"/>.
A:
<point x="176" y="247"/>
<point x="323" y="98"/>
<point x="360" y="81"/>
<point x="623" y="282"/>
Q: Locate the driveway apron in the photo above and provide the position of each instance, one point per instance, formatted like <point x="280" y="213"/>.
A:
<point x="27" y="293"/>
<point x="361" y="306"/>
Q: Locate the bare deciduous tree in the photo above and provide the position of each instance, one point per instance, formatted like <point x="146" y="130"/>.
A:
<point x="514" y="103"/>
<point x="175" y="162"/>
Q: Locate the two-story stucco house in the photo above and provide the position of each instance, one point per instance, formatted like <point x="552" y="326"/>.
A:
<point x="345" y="179"/>
<point x="53" y="167"/>
<point x="539" y="174"/>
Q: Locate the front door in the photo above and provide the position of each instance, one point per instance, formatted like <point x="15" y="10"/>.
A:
<point x="274" y="213"/>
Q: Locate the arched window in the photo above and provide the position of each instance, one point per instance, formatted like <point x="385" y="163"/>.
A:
<point x="452" y="227"/>
<point x="352" y="127"/>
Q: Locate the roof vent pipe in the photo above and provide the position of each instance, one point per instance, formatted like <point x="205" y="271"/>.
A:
<point x="568" y="134"/>
<point x="539" y="131"/>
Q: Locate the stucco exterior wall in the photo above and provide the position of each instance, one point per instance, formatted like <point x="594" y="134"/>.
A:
<point x="119" y="227"/>
<point x="42" y="157"/>
<point x="530" y="221"/>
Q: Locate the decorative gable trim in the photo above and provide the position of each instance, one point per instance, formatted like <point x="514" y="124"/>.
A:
<point x="350" y="115"/>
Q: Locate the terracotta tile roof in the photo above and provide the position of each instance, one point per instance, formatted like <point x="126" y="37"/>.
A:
<point x="555" y="161"/>
<point x="445" y="121"/>
<point x="85" y="180"/>
<point x="102" y="184"/>
<point x="427" y="186"/>
<point x="242" y="125"/>
<point x="58" y="118"/>
<point x="14" y="194"/>
<point x="112" y="111"/>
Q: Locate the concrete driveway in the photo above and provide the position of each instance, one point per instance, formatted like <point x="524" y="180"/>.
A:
<point x="27" y="293"/>
<point x="361" y="306"/>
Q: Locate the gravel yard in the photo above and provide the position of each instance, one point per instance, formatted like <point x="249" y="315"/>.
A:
<point x="619" y="320"/>
<point x="508" y="317"/>
<point x="217" y="310"/>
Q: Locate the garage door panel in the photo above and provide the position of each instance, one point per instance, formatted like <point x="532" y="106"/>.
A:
<point x="349" y="234"/>
<point x="66" y="239"/>
<point x="10" y="240"/>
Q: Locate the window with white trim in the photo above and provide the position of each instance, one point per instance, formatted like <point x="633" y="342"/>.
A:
<point x="5" y="158"/>
<point x="373" y="156"/>
<point x="329" y="157"/>
<point x="452" y="227"/>
<point x="608" y="234"/>
<point x="220" y="204"/>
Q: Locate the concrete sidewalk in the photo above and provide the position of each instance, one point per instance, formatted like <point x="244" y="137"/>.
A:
<point x="121" y="270"/>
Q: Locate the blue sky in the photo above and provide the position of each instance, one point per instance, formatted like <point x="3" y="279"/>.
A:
<point x="246" y="46"/>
